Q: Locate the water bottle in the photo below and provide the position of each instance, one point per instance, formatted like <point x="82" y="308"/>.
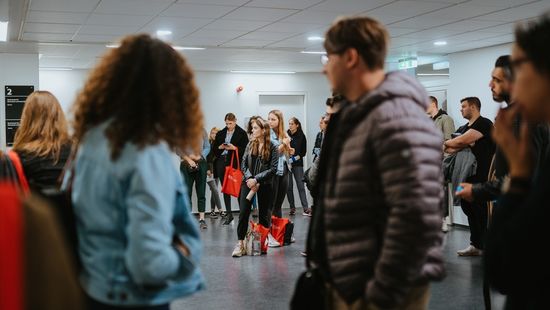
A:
<point x="256" y="244"/>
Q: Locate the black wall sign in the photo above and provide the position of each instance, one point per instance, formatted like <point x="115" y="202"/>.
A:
<point x="15" y="101"/>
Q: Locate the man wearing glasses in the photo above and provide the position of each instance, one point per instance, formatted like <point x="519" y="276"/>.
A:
<point x="375" y="238"/>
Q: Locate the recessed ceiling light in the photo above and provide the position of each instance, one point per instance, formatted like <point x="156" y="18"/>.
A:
<point x="440" y="43"/>
<point x="314" y="52"/>
<point x="112" y="45"/>
<point x="432" y="74"/>
<point x="163" y="33"/>
<point x="182" y="48"/>
<point x="3" y="31"/>
<point x="55" y="69"/>
<point x="316" y="38"/>
<point x="262" y="72"/>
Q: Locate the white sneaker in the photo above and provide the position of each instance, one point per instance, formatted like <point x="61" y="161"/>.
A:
<point x="239" y="250"/>
<point x="470" y="251"/>
<point x="444" y="226"/>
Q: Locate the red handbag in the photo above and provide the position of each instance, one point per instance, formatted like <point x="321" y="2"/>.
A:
<point x="233" y="177"/>
<point x="264" y="231"/>
<point x="278" y="228"/>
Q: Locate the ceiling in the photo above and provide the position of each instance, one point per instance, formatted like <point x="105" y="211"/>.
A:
<point x="255" y="34"/>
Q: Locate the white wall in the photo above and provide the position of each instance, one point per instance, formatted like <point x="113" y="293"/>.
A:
<point x="65" y="85"/>
<point x="470" y="73"/>
<point x="218" y="93"/>
<point x="15" y="69"/>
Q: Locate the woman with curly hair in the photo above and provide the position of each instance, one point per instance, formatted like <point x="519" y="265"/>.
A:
<point x="42" y="140"/>
<point x="138" y="243"/>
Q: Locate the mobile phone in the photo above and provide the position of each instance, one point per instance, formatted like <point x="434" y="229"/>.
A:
<point x="459" y="188"/>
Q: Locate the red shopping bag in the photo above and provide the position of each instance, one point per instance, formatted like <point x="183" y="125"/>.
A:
<point x="11" y="245"/>
<point x="278" y="228"/>
<point x="233" y="177"/>
<point x="263" y="233"/>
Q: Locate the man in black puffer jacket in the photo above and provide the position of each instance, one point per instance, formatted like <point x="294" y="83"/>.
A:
<point x="375" y="237"/>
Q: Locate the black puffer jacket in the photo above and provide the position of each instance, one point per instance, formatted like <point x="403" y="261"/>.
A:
<point x="376" y="232"/>
<point x="263" y="171"/>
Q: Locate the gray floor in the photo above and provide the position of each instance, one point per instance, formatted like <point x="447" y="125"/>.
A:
<point x="267" y="282"/>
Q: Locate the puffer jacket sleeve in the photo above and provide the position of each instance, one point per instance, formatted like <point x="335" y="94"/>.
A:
<point x="408" y="156"/>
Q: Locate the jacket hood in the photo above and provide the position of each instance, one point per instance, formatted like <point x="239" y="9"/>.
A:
<point x="399" y="84"/>
<point x="439" y="113"/>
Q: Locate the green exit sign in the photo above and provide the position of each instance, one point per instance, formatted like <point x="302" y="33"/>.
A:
<point x="408" y="63"/>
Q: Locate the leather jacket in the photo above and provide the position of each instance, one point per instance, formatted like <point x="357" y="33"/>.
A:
<point x="263" y="171"/>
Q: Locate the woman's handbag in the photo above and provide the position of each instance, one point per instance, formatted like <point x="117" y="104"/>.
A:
<point x="233" y="177"/>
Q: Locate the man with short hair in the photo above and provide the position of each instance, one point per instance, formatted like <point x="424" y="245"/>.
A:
<point x="476" y="135"/>
<point x="375" y="236"/>
<point x="441" y="120"/>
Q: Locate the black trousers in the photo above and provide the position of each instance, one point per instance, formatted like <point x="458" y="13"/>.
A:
<point x="220" y="168"/>
<point x="264" y="198"/>
<point x="477" y="220"/>
<point x="280" y="187"/>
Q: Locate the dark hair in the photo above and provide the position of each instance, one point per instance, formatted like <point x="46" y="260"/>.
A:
<point x="147" y="92"/>
<point x="434" y="100"/>
<point x="230" y="117"/>
<point x="334" y="99"/>
<point x="473" y="100"/>
<point x="368" y="36"/>
<point x="296" y="121"/>
<point x="533" y="38"/>
<point x="506" y="65"/>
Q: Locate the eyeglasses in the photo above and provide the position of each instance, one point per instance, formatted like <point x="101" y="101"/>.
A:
<point x="519" y="61"/>
<point x="324" y="60"/>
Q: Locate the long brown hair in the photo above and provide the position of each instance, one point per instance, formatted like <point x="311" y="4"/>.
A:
<point x="265" y="152"/>
<point x="147" y="92"/>
<point x="280" y="131"/>
<point x="43" y="130"/>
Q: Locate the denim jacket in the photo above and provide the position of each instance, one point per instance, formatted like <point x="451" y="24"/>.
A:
<point x="282" y="157"/>
<point x="127" y="213"/>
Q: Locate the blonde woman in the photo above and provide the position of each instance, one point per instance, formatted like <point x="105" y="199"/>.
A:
<point x="281" y="141"/>
<point x="42" y="141"/>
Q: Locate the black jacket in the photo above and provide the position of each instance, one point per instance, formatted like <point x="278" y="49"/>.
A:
<point x="44" y="172"/>
<point x="299" y="143"/>
<point x="263" y="171"/>
<point x="490" y="190"/>
<point x="239" y="139"/>
<point x="520" y="220"/>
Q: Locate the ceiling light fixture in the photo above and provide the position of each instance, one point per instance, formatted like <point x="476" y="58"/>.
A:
<point x="262" y="72"/>
<point x="3" y="31"/>
<point x="440" y="43"/>
<point x="55" y="69"/>
<point x="316" y="38"/>
<point x="183" y="48"/>
<point x="161" y="33"/>
<point x="432" y="74"/>
<point x="314" y="52"/>
<point x="112" y="45"/>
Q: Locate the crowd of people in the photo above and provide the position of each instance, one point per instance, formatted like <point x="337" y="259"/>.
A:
<point x="377" y="175"/>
